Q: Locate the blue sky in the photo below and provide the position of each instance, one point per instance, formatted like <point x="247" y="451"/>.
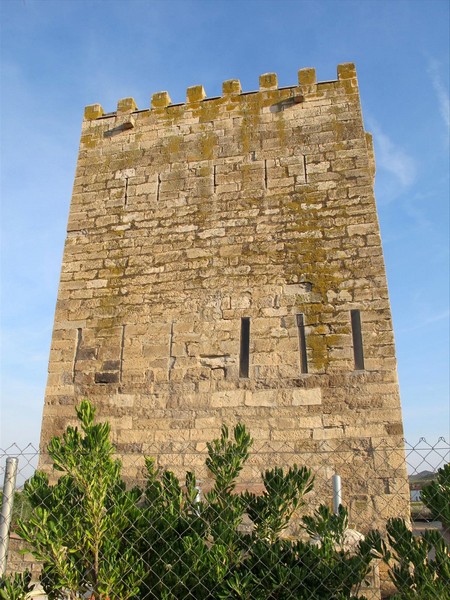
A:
<point x="58" y="56"/>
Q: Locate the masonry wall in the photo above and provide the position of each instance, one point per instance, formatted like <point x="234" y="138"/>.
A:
<point x="187" y="219"/>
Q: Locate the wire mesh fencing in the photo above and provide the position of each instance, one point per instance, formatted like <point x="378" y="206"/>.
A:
<point x="230" y="519"/>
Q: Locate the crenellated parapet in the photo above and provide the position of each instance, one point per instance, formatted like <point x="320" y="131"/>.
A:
<point x="307" y="87"/>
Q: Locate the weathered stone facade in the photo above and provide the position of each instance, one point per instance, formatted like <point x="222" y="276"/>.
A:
<point x="223" y="263"/>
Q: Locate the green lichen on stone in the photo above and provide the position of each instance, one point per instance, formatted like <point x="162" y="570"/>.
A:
<point x="207" y="145"/>
<point x="251" y="112"/>
<point x="207" y="111"/>
<point x="281" y="128"/>
<point x="89" y="140"/>
<point x="307" y="260"/>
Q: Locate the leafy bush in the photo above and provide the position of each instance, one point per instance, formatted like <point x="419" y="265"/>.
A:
<point x="436" y="496"/>
<point x="199" y="550"/>
<point x="98" y="539"/>
<point x="82" y="528"/>
<point x="15" y="587"/>
<point x="418" y="566"/>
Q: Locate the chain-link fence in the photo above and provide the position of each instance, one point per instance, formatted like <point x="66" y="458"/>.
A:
<point x="243" y="523"/>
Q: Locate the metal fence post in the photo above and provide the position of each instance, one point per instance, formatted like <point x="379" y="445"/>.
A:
<point x="9" y="487"/>
<point x="337" y="493"/>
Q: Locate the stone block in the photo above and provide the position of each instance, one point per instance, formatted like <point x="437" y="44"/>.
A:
<point x="268" y="81"/>
<point x="306" y="397"/>
<point x="122" y="400"/>
<point x="225" y="398"/>
<point x="126" y="105"/>
<point x="307" y="76"/>
<point x="346" y="71"/>
<point x="160" y="100"/>
<point x="106" y="377"/>
<point x="195" y="93"/>
<point x="261" y="398"/>
<point x="328" y="433"/>
<point x="231" y="86"/>
<point x="93" y="111"/>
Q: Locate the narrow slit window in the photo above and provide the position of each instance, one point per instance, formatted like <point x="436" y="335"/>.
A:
<point x="358" y="351"/>
<point x="158" y="187"/>
<point x="125" y="199"/>
<point x="78" y="340"/>
<point x="122" y="345"/>
<point x="244" y="357"/>
<point x="302" y="343"/>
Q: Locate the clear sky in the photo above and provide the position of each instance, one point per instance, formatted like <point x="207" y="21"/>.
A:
<point x="59" y="56"/>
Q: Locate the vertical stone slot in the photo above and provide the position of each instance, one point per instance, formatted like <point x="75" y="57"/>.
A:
<point x="79" y="337"/>
<point x="244" y="356"/>
<point x="358" y="351"/>
<point x="125" y="199"/>
<point x="122" y="345"/>
<point x="300" y="318"/>
<point x="305" y="169"/>
<point x="214" y="178"/>
<point x="172" y="359"/>
<point x="265" y="174"/>
<point x="158" y="187"/>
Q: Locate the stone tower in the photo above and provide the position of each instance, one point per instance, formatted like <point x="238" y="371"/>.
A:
<point x="223" y="263"/>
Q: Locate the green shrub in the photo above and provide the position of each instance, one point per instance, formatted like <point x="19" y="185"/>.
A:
<point x="98" y="539"/>
<point x="82" y="528"/>
<point x="16" y="586"/>
<point x="418" y="566"/>
<point x="436" y="496"/>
